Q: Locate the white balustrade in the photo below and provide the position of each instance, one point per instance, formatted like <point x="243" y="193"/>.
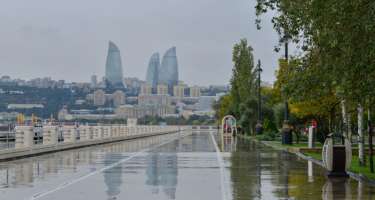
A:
<point x="74" y="134"/>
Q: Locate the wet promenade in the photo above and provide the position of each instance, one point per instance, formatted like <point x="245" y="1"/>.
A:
<point x="199" y="166"/>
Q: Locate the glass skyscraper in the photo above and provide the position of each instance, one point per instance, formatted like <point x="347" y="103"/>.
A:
<point x="153" y="70"/>
<point x="113" y="67"/>
<point x="168" y="73"/>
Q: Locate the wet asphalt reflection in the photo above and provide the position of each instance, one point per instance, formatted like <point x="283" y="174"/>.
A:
<point x="260" y="172"/>
<point x="178" y="166"/>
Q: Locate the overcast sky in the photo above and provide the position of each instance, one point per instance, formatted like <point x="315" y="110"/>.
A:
<point x="68" y="39"/>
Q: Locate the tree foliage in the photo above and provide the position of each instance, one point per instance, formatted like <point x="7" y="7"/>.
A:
<point x="335" y="64"/>
<point x="336" y="39"/>
<point x="241" y="101"/>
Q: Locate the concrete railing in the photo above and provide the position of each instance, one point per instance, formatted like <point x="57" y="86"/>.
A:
<point x="57" y="138"/>
<point x="198" y="128"/>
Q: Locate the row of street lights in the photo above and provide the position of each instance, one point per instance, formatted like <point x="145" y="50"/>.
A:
<point x="287" y="137"/>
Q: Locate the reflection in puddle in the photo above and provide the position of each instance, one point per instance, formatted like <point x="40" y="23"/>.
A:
<point x="113" y="176"/>
<point x="181" y="169"/>
<point x="260" y="172"/>
<point x="27" y="172"/>
<point x="310" y="171"/>
<point x="162" y="173"/>
<point x="228" y="142"/>
<point x="337" y="188"/>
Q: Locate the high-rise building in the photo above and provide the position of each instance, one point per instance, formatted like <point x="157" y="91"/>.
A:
<point x="162" y="89"/>
<point x="156" y="100"/>
<point x="138" y="111"/>
<point x="179" y="91"/>
<point x="99" y="98"/>
<point x="102" y="84"/>
<point x="94" y="81"/>
<point x="153" y="70"/>
<point x="113" y="67"/>
<point x="146" y="89"/>
<point x="168" y="72"/>
<point x="132" y="82"/>
<point x="118" y="98"/>
<point x="195" y="91"/>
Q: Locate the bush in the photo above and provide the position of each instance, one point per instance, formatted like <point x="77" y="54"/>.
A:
<point x="269" y="136"/>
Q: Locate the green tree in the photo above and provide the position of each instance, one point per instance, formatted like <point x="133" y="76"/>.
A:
<point x="243" y="85"/>
<point x="337" y="41"/>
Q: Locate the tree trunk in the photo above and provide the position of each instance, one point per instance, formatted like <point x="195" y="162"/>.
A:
<point x="350" y="132"/>
<point x="369" y="126"/>
<point x="331" y="120"/>
<point x="361" y="154"/>
<point x="344" y="119"/>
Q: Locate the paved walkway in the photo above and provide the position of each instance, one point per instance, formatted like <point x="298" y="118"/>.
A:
<point x="199" y="166"/>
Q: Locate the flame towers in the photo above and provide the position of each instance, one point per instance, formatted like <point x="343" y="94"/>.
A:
<point x="153" y="70"/>
<point x="165" y="73"/>
<point x="113" y="67"/>
<point x="168" y="72"/>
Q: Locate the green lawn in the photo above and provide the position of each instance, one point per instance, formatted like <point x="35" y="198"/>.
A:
<point x="299" y="145"/>
<point x="303" y="145"/>
<point x="364" y="170"/>
<point x="316" y="156"/>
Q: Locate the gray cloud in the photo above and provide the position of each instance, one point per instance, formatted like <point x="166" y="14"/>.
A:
<point x="68" y="39"/>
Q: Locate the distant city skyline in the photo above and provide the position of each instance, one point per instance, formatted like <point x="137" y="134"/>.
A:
<point x="68" y="40"/>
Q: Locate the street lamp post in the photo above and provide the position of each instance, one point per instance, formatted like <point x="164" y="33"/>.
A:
<point x="259" y="126"/>
<point x="287" y="137"/>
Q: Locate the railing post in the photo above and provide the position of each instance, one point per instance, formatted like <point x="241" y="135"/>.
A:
<point x="50" y="135"/>
<point x="119" y="130"/>
<point x="101" y="132"/>
<point x="127" y="131"/>
<point x="97" y="132"/>
<point x="123" y="131"/>
<point x="77" y="133"/>
<point x="104" y="132"/>
<point x="69" y="134"/>
<point x="85" y="132"/>
<point x="109" y="131"/>
<point x="113" y="131"/>
<point x="24" y="136"/>
<point x="131" y="131"/>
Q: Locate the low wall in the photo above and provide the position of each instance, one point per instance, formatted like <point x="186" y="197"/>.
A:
<point x="59" y="138"/>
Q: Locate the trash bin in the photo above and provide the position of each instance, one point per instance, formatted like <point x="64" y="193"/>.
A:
<point x="337" y="157"/>
<point x="258" y="128"/>
<point x="286" y="135"/>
